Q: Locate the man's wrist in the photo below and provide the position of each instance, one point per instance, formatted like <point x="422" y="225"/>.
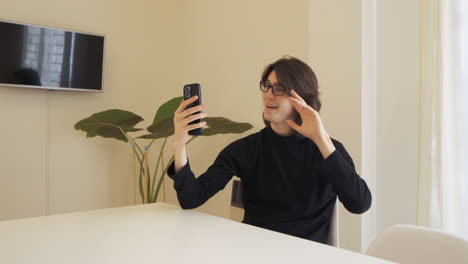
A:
<point x="178" y="145"/>
<point x="325" y="145"/>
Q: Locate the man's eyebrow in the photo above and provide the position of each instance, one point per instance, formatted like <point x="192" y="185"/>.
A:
<point x="277" y="83"/>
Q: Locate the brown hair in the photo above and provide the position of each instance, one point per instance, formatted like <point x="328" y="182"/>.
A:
<point x="294" y="74"/>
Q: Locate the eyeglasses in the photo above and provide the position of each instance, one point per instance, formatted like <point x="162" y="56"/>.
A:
<point x="277" y="88"/>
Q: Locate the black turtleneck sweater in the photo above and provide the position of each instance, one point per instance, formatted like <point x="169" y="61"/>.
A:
<point x="287" y="185"/>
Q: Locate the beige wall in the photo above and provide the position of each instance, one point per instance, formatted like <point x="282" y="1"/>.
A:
<point x="22" y="153"/>
<point x="47" y="167"/>
<point x="335" y="55"/>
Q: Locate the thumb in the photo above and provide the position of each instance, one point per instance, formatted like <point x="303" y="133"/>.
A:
<point x="293" y="125"/>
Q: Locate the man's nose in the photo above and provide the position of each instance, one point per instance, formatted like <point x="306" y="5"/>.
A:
<point x="270" y="93"/>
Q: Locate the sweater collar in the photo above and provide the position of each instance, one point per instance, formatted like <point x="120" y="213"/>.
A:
<point x="272" y="134"/>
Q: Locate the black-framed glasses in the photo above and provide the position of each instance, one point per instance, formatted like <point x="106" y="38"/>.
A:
<point x="276" y="88"/>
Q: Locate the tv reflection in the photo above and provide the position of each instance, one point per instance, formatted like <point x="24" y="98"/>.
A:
<point x="27" y="76"/>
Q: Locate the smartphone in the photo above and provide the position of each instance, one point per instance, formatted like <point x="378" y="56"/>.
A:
<point x="190" y="90"/>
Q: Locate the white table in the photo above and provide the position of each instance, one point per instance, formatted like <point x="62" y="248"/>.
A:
<point x="156" y="233"/>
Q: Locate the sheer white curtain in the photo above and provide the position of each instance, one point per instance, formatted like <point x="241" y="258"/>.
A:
<point x="443" y="175"/>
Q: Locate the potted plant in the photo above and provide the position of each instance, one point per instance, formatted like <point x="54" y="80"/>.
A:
<point x="118" y="124"/>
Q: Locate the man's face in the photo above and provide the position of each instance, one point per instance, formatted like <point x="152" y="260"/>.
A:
<point x="277" y="109"/>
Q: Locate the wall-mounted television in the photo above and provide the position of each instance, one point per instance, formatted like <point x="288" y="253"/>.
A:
<point x="50" y="58"/>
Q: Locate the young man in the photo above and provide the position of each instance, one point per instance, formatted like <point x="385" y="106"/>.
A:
<point x="291" y="171"/>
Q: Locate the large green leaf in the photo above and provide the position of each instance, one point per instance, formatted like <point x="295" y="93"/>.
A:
<point x="109" y="124"/>
<point x="135" y="129"/>
<point x="221" y="125"/>
<point x="216" y="125"/>
<point x="163" y="125"/>
<point x="163" y="128"/>
<point x="166" y="110"/>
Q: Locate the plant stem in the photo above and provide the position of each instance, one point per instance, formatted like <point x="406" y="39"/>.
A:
<point x="138" y="146"/>
<point x="165" y="171"/>
<point x="161" y="178"/>
<point x="140" y="182"/>
<point x="147" y="178"/>
<point x="151" y="143"/>
<point x="157" y="166"/>
<point x="130" y="139"/>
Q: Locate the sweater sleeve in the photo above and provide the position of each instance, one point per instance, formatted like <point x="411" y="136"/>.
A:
<point x="351" y="189"/>
<point x="193" y="192"/>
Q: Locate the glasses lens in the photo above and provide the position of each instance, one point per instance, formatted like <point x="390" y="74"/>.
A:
<point x="263" y="86"/>
<point x="277" y="90"/>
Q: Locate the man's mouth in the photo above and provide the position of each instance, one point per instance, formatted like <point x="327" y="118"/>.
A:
<point x="271" y="106"/>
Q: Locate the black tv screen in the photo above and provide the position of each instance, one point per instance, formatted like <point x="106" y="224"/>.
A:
<point x="50" y="58"/>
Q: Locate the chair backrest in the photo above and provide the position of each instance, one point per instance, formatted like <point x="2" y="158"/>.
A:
<point x="237" y="206"/>
<point x="415" y="244"/>
<point x="236" y="194"/>
<point x="334" y="232"/>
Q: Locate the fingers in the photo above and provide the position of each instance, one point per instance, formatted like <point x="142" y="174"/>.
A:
<point x="185" y="103"/>
<point x="182" y="123"/>
<point x="301" y="106"/>
<point x="293" y="125"/>
<point x="298" y="105"/>
<point x="195" y="117"/>
<point x="296" y="96"/>
<point x="195" y="126"/>
<point x="183" y="116"/>
<point x="179" y="116"/>
<point x="192" y="110"/>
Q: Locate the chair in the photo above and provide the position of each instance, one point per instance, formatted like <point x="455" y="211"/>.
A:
<point x="237" y="207"/>
<point x="237" y="213"/>
<point x="334" y="232"/>
<point x="415" y="244"/>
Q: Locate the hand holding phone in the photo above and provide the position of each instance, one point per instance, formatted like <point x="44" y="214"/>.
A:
<point x="191" y="90"/>
<point x="187" y="121"/>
